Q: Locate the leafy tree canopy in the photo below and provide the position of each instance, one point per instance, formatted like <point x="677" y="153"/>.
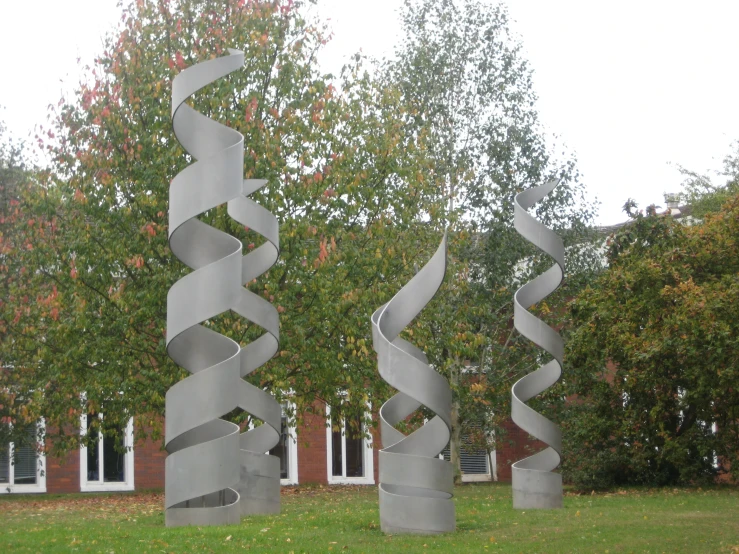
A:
<point x="703" y="195"/>
<point x="469" y="97"/>
<point x="344" y="182"/>
<point x="651" y="362"/>
<point x="15" y="176"/>
<point x="364" y="171"/>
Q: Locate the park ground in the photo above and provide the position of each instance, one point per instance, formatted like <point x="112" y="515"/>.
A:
<point x="345" y="519"/>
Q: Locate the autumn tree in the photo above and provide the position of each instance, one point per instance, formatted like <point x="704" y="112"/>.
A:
<point x="703" y="194"/>
<point x="469" y="98"/>
<point x="14" y="174"/>
<point x="651" y="361"/>
<point x="345" y="181"/>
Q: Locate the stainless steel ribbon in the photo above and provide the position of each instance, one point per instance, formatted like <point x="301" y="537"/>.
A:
<point x="259" y="485"/>
<point x="203" y="469"/>
<point x="415" y="485"/>
<point x="534" y="483"/>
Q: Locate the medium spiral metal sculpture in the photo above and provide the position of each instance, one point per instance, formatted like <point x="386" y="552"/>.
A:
<point x="202" y="471"/>
<point x="534" y="483"/>
<point x="415" y="484"/>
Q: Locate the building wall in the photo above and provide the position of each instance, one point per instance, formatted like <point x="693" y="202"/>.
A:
<point x="312" y="460"/>
<point x="149" y="459"/>
<point x="63" y="474"/>
<point x="514" y="446"/>
<point x="312" y="450"/>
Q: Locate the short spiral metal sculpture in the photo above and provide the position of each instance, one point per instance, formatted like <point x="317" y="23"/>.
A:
<point x="534" y="483"/>
<point x="202" y="472"/>
<point x="415" y="485"/>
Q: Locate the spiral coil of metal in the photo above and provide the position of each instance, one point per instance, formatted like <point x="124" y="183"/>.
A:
<point x="415" y="485"/>
<point x="259" y="485"/>
<point x="535" y="485"/>
<point x="203" y="471"/>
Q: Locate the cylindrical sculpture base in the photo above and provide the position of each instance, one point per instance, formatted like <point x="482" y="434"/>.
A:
<point x="536" y="489"/>
<point x="218" y="508"/>
<point x="416" y="515"/>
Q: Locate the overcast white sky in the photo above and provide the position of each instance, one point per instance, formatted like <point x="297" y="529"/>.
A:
<point x="630" y="86"/>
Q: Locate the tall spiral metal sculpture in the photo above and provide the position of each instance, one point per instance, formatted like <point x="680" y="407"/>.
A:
<point x="534" y="483"/>
<point x="204" y="467"/>
<point x="415" y="485"/>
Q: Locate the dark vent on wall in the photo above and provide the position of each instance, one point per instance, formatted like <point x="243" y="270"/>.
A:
<point x="471" y="462"/>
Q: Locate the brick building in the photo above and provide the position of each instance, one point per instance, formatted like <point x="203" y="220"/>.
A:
<point x="313" y="453"/>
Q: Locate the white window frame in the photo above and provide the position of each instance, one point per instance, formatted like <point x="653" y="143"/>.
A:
<point x="40" y="485"/>
<point x="292" y="447"/>
<point x="491" y="475"/>
<point x="714" y="430"/>
<point x="368" y="461"/>
<point x="101" y="486"/>
<point x="292" y="452"/>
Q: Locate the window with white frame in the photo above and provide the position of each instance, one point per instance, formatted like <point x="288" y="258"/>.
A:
<point x="287" y="451"/>
<point x="22" y="468"/>
<point x="475" y="464"/>
<point x="349" y="457"/>
<point x="106" y="464"/>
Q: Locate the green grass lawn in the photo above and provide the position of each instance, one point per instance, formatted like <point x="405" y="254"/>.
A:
<point x="346" y="519"/>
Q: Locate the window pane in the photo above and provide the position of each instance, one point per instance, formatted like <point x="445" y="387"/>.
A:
<point x="355" y="452"/>
<point x="336" y="440"/>
<point x="113" y="460"/>
<point x="93" y="452"/>
<point x="24" y="469"/>
<point x="474" y="463"/>
<point x="281" y="450"/>
<point x="26" y="460"/>
<point x="5" y="464"/>
<point x="471" y="462"/>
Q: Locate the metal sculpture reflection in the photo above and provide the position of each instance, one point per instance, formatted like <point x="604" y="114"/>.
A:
<point x="415" y="485"/>
<point x="534" y="483"/>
